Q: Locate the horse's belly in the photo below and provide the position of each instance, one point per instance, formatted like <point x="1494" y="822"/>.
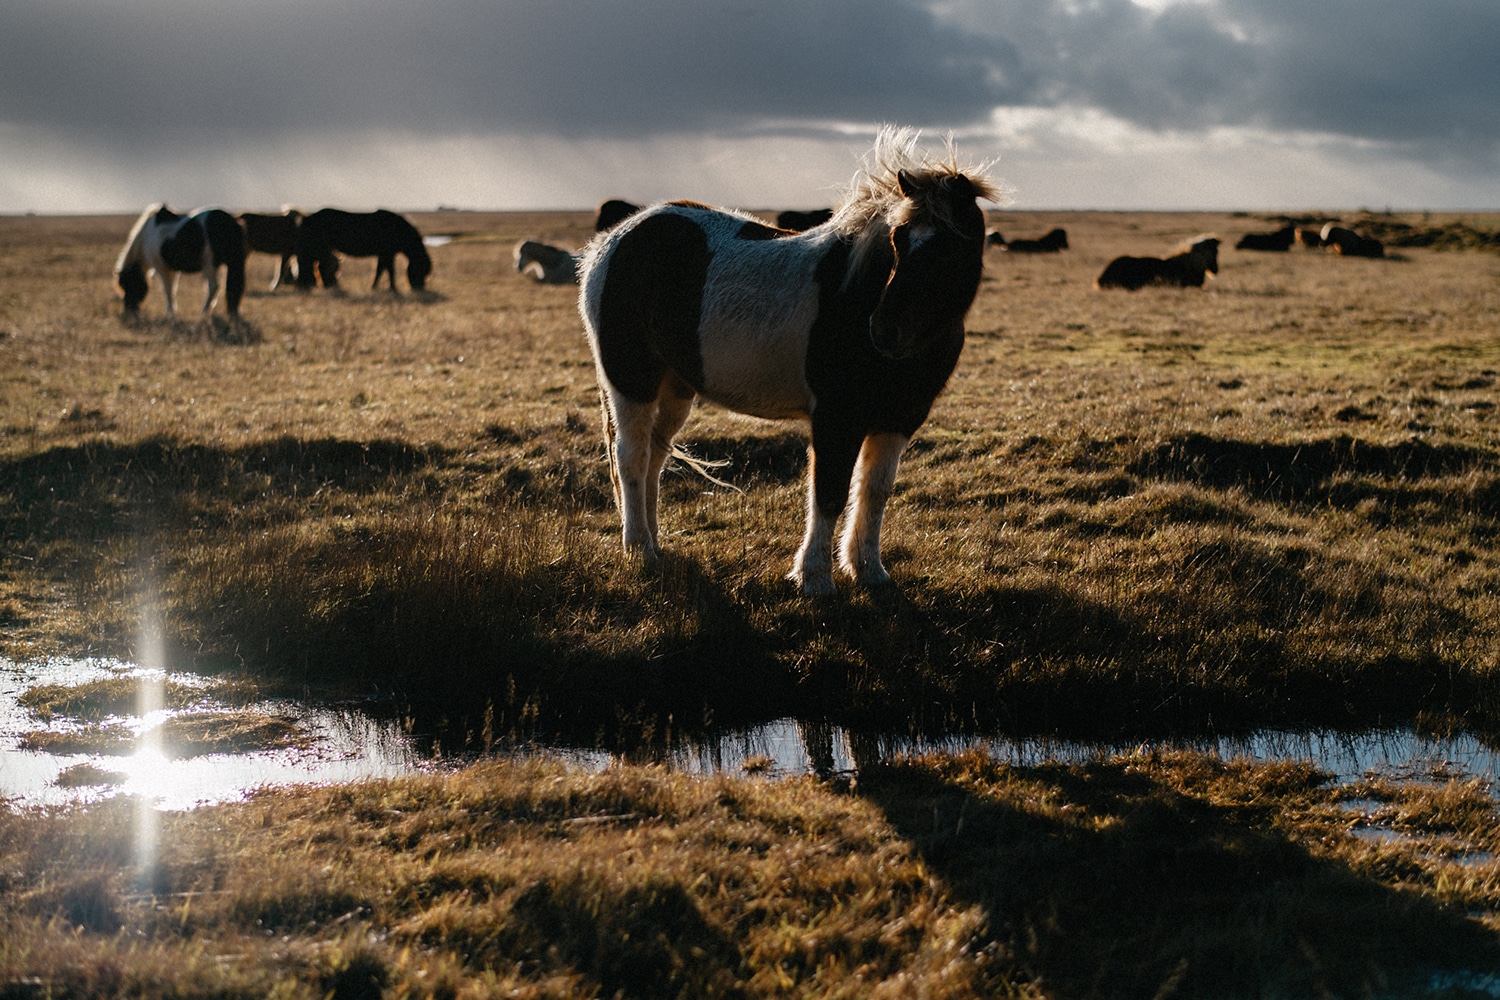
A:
<point x="764" y="377"/>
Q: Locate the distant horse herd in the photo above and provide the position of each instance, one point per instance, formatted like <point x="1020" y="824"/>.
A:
<point x="849" y="318"/>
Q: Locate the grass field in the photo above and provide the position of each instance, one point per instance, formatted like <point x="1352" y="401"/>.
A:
<point x="1273" y="501"/>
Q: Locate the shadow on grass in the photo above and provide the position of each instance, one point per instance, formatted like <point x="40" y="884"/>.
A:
<point x="1310" y="471"/>
<point x="1105" y="880"/>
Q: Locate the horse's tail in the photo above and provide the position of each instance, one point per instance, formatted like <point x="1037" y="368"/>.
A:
<point x="130" y="266"/>
<point x="703" y="466"/>
<point x="226" y="239"/>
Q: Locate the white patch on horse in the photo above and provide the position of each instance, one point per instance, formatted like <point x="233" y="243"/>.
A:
<point x="754" y="346"/>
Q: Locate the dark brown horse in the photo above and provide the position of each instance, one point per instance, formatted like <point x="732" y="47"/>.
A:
<point x="276" y="235"/>
<point x="853" y="326"/>
<point x="1186" y="269"/>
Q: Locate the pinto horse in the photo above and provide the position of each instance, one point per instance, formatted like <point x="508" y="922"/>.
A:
<point x="1187" y="268"/>
<point x="170" y="245"/>
<point x="545" y="263"/>
<point x="854" y="326"/>
<point x="380" y="234"/>
<point x="275" y="235"/>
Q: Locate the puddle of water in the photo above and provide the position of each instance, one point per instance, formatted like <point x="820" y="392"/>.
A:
<point x="440" y="240"/>
<point x="347" y="745"/>
<point x="344" y="745"/>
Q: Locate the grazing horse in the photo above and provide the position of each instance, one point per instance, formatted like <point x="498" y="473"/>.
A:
<point x="1348" y="243"/>
<point x="612" y="212"/>
<point x="380" y="234"/>
<point x="170" y="245"/>
<point x="276" y="235"/>
<point x="1051" y="243"/>
<point x="799" y="222"/>
<point x="1280" y="240"/>
<point x="546" y="264"/>
<point x="854" y="326"/>
<point x="1187" y="268"/>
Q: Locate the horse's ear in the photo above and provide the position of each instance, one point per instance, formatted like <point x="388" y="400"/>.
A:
<point x="907" y="185"/>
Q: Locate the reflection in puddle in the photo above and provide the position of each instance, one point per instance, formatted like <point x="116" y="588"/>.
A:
<point x="344" y="744"/>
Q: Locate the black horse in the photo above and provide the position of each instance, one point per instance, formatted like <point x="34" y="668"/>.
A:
<point x="380" y="234"/>
<point x="799" y="222"/>
<point x="1276" y="242"/>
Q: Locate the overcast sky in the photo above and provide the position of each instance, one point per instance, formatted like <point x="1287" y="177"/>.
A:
<point x="107" y="105"/>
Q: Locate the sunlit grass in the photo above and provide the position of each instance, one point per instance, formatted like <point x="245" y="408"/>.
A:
<point x="1271" y="501"/>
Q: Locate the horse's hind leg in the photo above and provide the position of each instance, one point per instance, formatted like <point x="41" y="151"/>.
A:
<point x="632" y="424"/>
<point x="874" y="478"/>
<point x="672" y="408"/>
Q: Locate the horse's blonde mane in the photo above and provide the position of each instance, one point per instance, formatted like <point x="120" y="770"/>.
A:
<point x="874" y="203"/>
<point x="131" y="254"/>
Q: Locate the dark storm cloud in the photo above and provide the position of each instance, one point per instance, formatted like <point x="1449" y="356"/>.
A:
<point x="1390" y="71"/>
<point x="575" y="67"/>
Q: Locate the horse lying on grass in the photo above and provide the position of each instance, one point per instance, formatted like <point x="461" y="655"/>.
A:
<point x="1348" y="243"/>
<point x="169" y="245"/>
<point x="1278" y="241"/>
<point x="546" y="264"/>
<point x="853" y="326"/>
<point x="1188" y="268"/>
<point x="1054" y="241"/>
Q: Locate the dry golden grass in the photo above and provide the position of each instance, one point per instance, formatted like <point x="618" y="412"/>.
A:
<point x="1270" y="501"/>
<point x="1273" y="500"/>
<point x="1138" y="875"/>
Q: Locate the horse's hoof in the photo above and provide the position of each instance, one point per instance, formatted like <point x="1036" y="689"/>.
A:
<point x="813" y="585"/>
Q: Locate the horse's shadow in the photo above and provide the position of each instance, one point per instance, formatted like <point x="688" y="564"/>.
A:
<point x="1105" y="879"/>
<point x="236" y="331"/>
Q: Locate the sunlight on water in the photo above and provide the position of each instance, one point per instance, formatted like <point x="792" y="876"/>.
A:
<point x="345" y="745"/>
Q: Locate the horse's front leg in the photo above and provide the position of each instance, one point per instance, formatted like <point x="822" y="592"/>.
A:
<point x="874" y="478"/>
<point x="830" y="465"/>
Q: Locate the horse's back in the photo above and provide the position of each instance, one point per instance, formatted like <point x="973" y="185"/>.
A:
<point x="719" y="298"/>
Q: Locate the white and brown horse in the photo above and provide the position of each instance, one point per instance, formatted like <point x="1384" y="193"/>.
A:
<point x="854" y="326"/>
<point x="1187" y="268"/>
<point x="169" y="245"/>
